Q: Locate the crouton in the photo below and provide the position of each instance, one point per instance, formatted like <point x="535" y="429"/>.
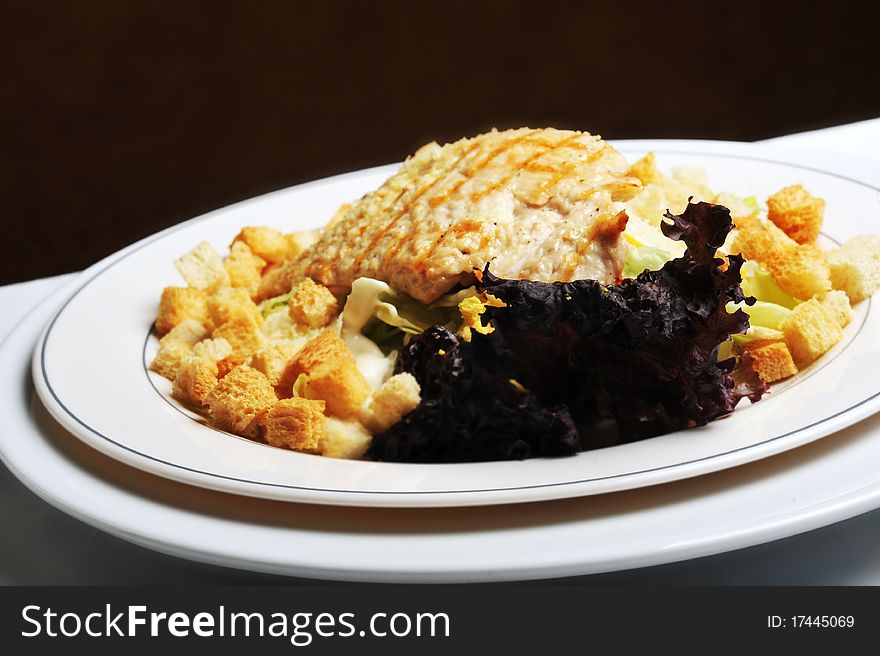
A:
<point x="645" y="169"/>
<point x="345" y="439"/>
<point x="855" y="267"/>
<point x="189" y="332"/>
<point x="797" y="213"/>
<point x="278" y="280"/>
<point x="333" y="375"/>
<point x="800" y="270"/>
<point x="199" y="372"/>
<point x="203" y="268"/>
<point x="180" y="303"/>
<point x="243" y="334"/>
<point x="771" y="360"/>
<point x="760" y="240"/>
<point x="397" y="396"/>
<point x="168" y="358"/>
<point x="267" y="243"/>
<point x="280" y="277"/>
<point x="240" y="400"/>
<point x="272" y="361"/>
<point x="175" y="346"/>
<point x="230" y="362"/>
<point x="244" y="268"/>
<point x="212" y="349"/>
<point x="837" y="304"/>
<point x="312" y="305"/>
<point x="738" y="206"/>
<point x="297" y="424"/>
<point x="299" y="241"/>
<point x="810" y="331"/>
<point x="196" y="379"/>
<point x="279" y="326"/>
<point x="232" y="303"/>
<point x="814" y="250"/>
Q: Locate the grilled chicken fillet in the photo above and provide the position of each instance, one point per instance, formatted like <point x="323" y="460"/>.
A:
<point x="535" y="204"/>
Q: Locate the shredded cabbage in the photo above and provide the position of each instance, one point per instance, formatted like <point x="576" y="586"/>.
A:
<point x="758" y="282"/>
<point x="378" y="320"/>
<point x="762" y="313"/>
<point x="758" y="333"/>
<point x="372" y="298"/>
<point x="377" y="310"/>
<point x="271" y="305"/>
<point x="644" y="258"/>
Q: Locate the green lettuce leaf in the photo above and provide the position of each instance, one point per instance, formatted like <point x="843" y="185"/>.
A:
<point x="644" y="258"/>
<point x="755" y="333"/>
<point x="271" y="305"/>
<point x="762" y="313"/>
<point x="389" y="317"/>
<point x="758" y="282"/>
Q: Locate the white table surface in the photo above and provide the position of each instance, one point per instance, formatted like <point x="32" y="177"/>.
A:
<point x="42" y="546"/>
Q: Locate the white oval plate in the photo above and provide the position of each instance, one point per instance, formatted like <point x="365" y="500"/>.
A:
<point x="89" y="365"/>
<point x="820" y="483"/>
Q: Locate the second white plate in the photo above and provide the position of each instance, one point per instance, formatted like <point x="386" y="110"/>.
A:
<point x="89" y="364"/>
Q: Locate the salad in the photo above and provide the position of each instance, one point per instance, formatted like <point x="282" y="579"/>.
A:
<point x="692" y="301"/>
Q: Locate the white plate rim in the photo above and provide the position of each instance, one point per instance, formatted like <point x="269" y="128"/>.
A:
<point x="431" y="498"/>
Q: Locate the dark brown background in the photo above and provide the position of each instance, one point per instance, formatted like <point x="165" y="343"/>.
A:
<point x="121" y="118"/>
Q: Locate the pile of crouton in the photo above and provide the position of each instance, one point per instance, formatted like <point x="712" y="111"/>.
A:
<point x="827" y="284"/>
<point x="277" y="373"/>
<point x="824" y="283"/>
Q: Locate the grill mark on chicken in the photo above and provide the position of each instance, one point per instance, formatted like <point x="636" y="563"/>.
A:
<point x="507" y="178"/>
<point x="529" y="162"/>
<point x="538" y="204"/>
<point x="411" y="202"/>
<point x="469" y="175"/>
